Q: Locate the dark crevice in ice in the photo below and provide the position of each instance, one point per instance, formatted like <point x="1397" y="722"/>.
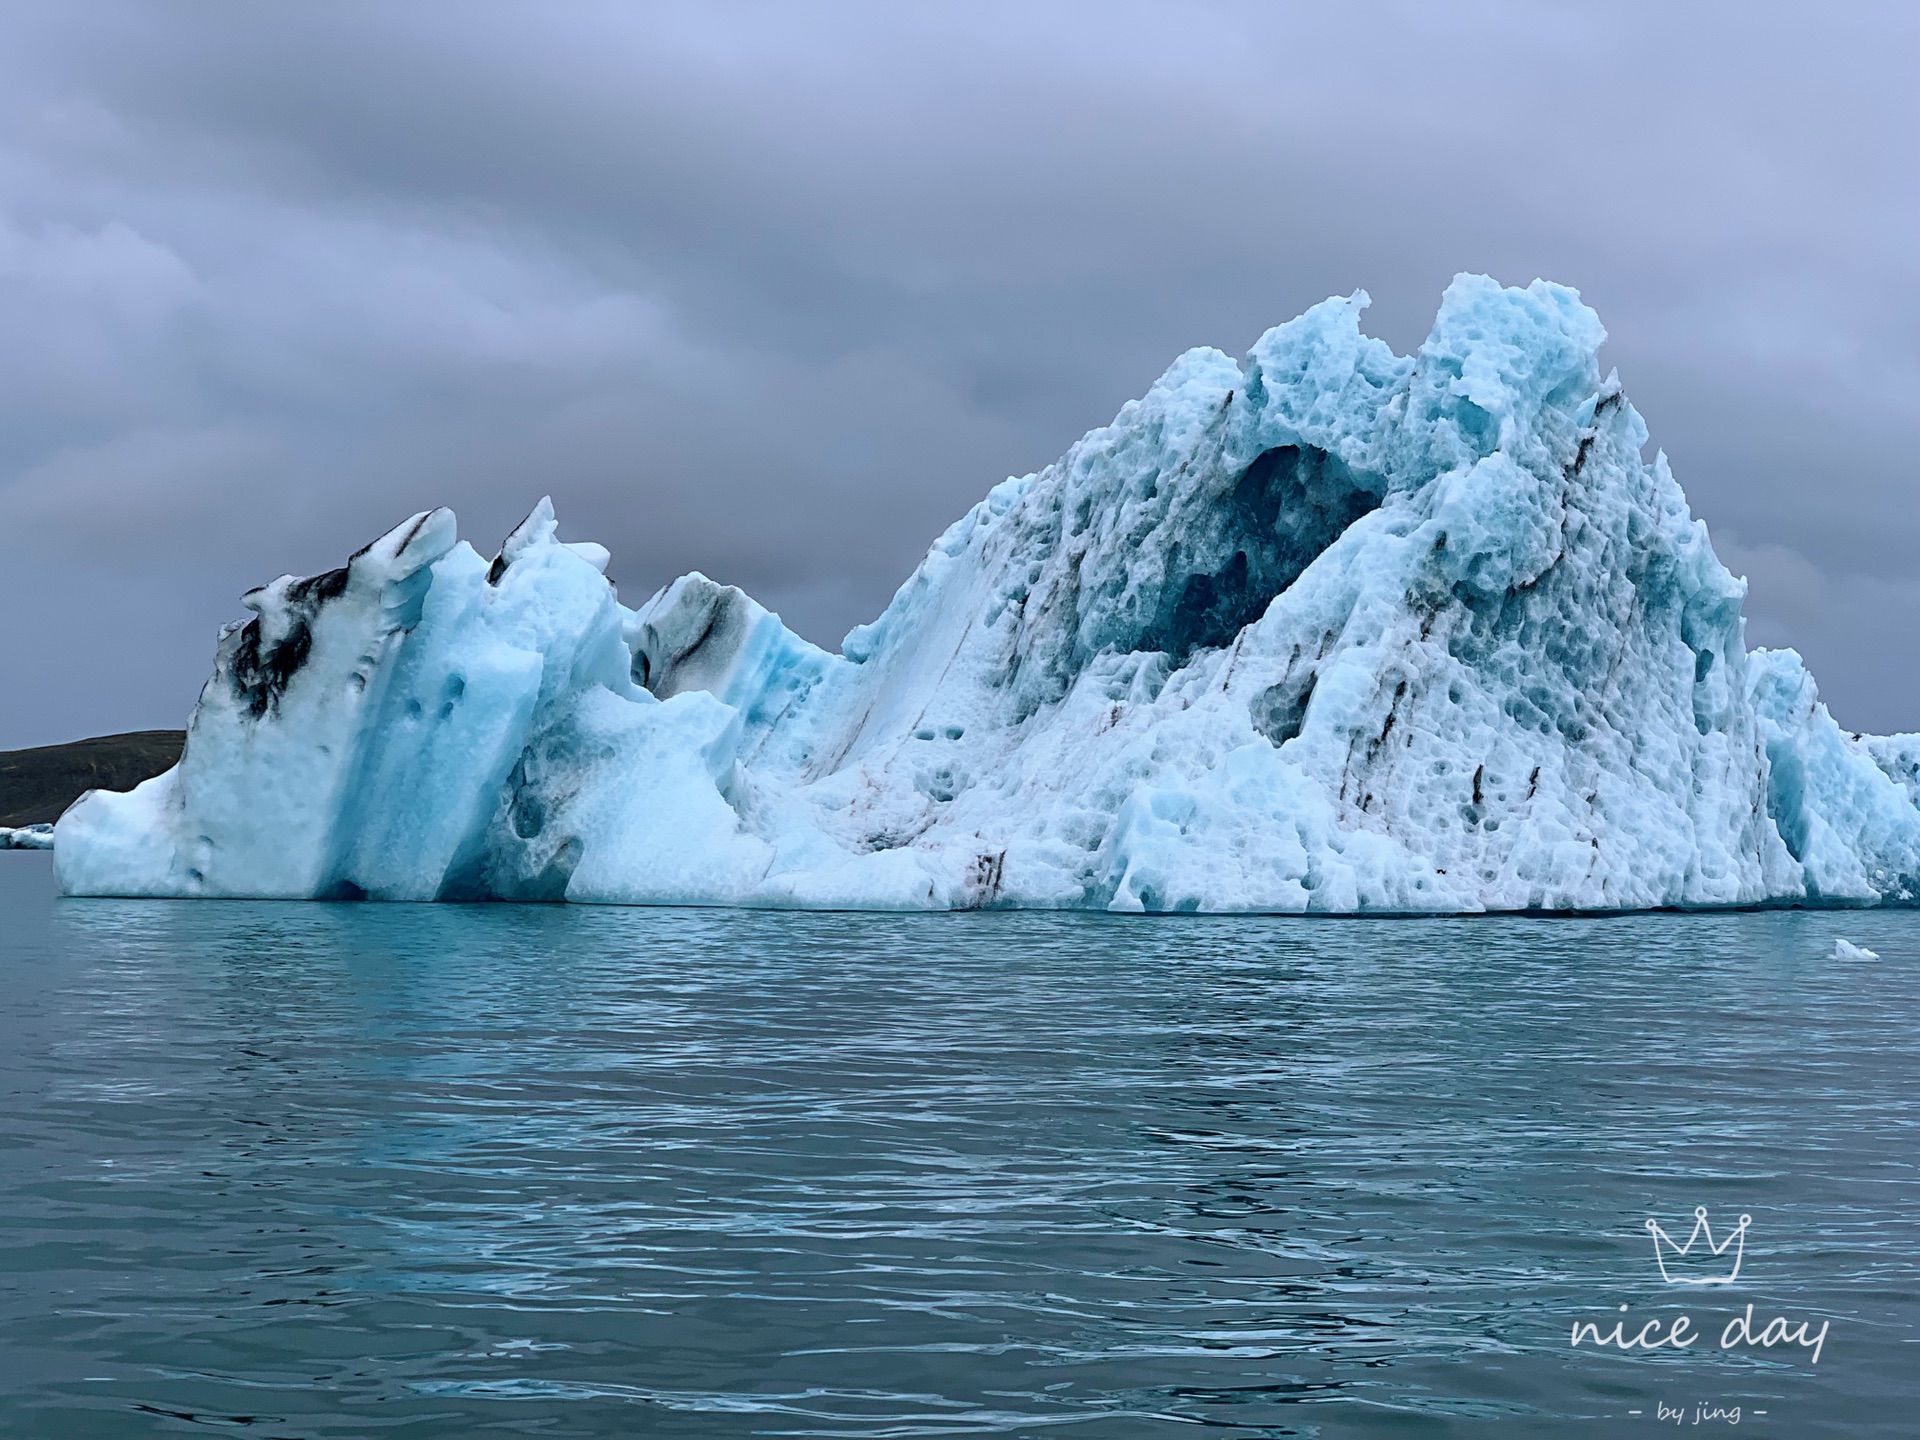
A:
<point x="1283" y="510"/>
<point x="1280" y="711"/>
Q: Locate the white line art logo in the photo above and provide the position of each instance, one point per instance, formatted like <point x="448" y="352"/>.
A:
<point x="1701" y="1261"/>
<point x="1664" y="1247"/>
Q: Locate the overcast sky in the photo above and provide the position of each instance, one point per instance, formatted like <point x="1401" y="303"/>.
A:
<point x="776" y="292"/>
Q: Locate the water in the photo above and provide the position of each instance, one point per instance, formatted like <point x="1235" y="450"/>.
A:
<point x="337" y="1170"/>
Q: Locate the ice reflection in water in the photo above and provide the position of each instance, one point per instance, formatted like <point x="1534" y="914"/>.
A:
<point x="340" y="1170"/>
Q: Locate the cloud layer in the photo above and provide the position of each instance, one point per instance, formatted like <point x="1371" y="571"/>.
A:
<point x="777" y="297"/>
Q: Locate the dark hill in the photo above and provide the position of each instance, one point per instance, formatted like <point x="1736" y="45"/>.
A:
<point x="36" y="785"/>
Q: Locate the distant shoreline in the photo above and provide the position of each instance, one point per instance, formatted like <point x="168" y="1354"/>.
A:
<point x="36" y="785"/>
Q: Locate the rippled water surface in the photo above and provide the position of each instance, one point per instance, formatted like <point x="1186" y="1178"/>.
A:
<point x="355" y="1170"/>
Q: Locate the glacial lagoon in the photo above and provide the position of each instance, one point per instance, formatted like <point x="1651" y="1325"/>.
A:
<point x="349" y="1170"/>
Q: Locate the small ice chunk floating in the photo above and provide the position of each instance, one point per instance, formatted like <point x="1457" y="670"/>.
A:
<point x="1324" y="629"/>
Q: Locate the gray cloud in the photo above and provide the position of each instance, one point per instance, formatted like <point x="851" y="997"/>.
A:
<point x="777" y="296"/>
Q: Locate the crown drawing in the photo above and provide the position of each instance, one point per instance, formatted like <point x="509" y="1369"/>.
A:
<point x="1664" y="1250"/>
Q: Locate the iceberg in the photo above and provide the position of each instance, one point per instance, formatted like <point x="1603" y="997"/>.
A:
<point x="1325" y="629"/>
<point x="26" y="837"/>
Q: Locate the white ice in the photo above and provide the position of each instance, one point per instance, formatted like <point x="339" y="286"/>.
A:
<point x="1324" y="629"/>
<point x="26" y="837"/>
<point x="1847" y="950"/>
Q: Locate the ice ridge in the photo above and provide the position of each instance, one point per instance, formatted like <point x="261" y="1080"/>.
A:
<point x="1326" y="629"/>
